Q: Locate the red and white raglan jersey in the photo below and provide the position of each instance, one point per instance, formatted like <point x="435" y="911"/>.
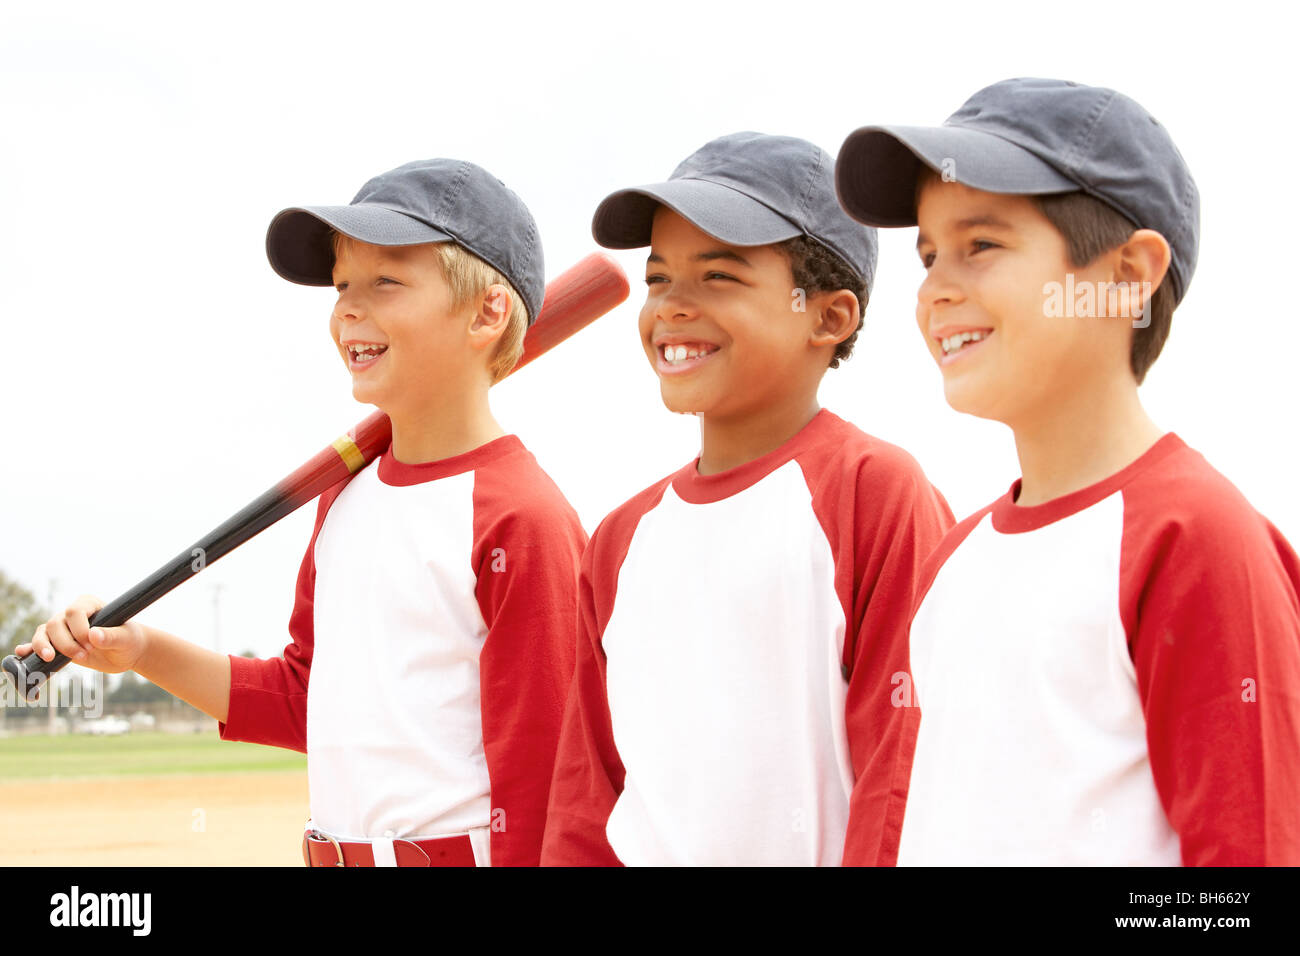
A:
<point x="433" y="643"/>
<point x="1112" y="677"/>
<point x="727" y="625"/>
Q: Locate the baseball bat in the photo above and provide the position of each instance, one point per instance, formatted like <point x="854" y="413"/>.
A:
<point x="573" y="300"/>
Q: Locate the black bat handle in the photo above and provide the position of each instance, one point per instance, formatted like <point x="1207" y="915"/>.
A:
<point x="29" y="674"/>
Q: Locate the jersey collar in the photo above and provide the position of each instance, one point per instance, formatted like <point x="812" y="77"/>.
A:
<point x="699" y="489"/>
<point x="1011" y="518"/>
<point x="394" y="472"/>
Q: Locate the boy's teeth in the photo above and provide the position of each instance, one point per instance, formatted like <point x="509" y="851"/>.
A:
<point x="953" y="342"/>
<point x="679" y="353"/>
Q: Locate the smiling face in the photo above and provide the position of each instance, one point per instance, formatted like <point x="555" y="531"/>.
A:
<point x="983" y="306"/>
<point x="717" y="324"/>
<point x="394" y="324"/>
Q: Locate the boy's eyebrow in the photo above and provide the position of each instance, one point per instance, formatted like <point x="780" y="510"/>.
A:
<point x="721" y="254"/>
<point x="971" y="222"/>
<point x="706" y="256"/>
<point x="984" y="219"/>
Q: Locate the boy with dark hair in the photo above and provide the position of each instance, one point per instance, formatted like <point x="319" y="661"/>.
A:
<point x="732" y="615"/>
<point x="1107" y="658"/>
<point x="432" y="633"/>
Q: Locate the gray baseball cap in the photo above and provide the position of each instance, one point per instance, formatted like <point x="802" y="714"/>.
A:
<point x="429" y="200"/>
<point x="1033" y="137"/>
<point x="747" y="189"/>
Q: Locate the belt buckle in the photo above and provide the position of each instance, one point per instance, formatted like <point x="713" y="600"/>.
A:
<point x="317" y="834"/>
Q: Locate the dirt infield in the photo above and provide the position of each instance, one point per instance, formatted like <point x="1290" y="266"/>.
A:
<point x="233" y="819"/>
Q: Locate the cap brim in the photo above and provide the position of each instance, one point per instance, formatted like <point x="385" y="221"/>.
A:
<point x="877" y="169"/>
<point x="297" y="241"/>
<point x="623" y="219"/>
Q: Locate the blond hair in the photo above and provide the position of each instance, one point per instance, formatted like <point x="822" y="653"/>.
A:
<point x="468" y="278"/>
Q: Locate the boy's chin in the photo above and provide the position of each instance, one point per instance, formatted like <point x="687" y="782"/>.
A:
<point x="970" y="401"/>
<point x="683" y="404"/>
<point x="368" y="396"/>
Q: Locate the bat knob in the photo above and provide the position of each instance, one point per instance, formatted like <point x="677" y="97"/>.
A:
<point x="28" y="683"/>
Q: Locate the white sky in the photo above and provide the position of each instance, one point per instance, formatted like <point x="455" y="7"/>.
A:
<point x="160" y="375"/>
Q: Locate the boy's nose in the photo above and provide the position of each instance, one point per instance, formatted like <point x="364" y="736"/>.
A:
<point x="673" y="306"/>
<point x="938" y="287"/>
<point x="347" y="307"/>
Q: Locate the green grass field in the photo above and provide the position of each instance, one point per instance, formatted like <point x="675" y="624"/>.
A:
<point x="71" y="756"/>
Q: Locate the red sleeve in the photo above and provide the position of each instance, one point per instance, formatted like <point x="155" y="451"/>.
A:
<point x="882" y="528"/>
<point x="1209" y="604"/>
<point x="527" y="551"/>
<point x="588" y="770"/>
<point x="268" y="698"/>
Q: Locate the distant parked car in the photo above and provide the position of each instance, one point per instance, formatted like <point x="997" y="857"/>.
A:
<point x="106" y="725"/>
<point x="141" y="720"/>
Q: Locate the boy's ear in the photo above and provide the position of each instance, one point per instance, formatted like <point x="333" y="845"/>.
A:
<point x="1140" y="263"/>
<point x="836" y="317"/>
<point x="492" y="317"/>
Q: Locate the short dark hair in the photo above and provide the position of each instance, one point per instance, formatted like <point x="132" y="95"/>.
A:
<point x="1090" y="227"/>
<point x="816" y="269"/>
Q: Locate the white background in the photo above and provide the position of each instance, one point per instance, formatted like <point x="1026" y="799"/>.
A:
<point x="158" y="375"/>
